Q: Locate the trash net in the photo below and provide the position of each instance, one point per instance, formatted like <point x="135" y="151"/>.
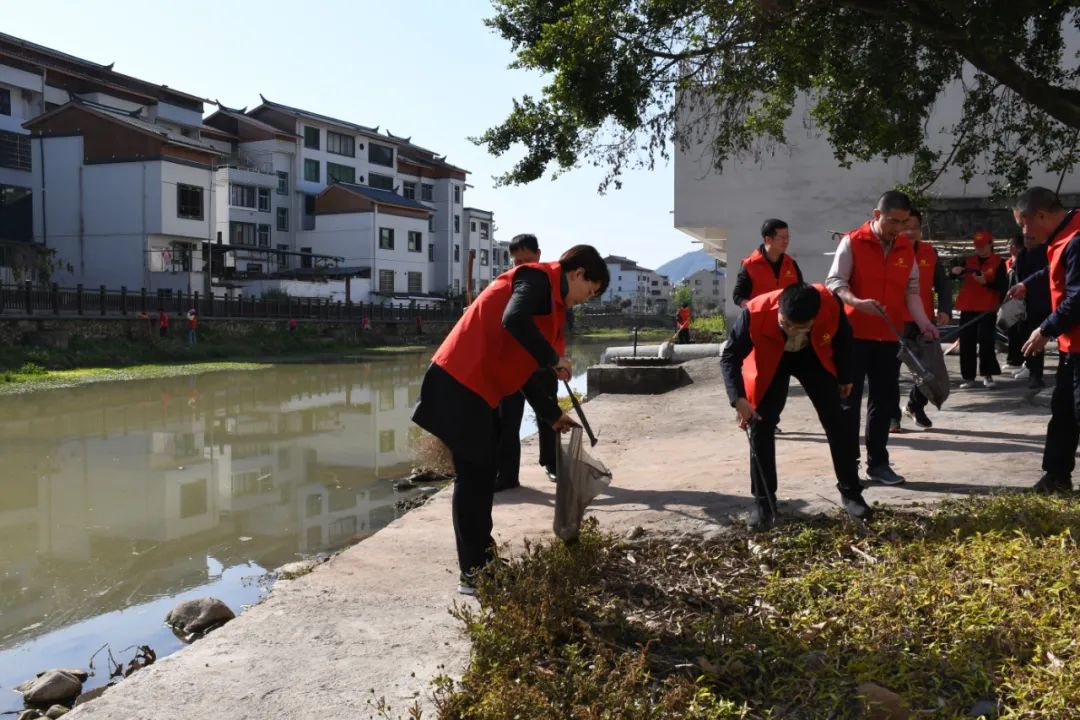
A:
<point x="579" y="478"/>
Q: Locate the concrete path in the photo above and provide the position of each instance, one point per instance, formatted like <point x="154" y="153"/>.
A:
<point x="374" y="623"/>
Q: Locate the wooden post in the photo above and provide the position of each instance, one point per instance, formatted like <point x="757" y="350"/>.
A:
<point x="79" y="299"/>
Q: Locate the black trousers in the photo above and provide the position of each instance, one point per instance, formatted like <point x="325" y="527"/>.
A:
<point x="474" y="492"/>
<point x="1035" y="363"/>
<point x="511" y="411"/>
<point x="874" y="363"/>
<point x="1016" y="341"/>
<point x="915" y="398"/>
<point x="684" y="335"/>
<point x="824" y="394"/>
<point x="977" y="341"/>
<point x="1063" y="430"/>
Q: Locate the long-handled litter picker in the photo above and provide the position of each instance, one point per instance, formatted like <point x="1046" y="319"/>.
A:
<point x="580" y="414"/>
<point x="762" y="485"/>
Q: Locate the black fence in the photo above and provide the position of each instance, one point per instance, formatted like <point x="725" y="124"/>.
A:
<point x="28" y="300"/>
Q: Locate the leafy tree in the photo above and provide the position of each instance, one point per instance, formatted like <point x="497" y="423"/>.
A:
<point x="682" y="294"/>
<point x="865" y="72"/>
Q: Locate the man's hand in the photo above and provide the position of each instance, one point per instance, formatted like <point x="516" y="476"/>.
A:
<point x="1036" y="343"/>
<point x="845" y="390"/>
<point x="929" y="332"/>
<point x="980" y="278"/>
<point x="562" y="369"/>
<point x="744" y="413"/>
<point x="943" y="319"/>
<point x="1017" y="292"/>
<point x="957" y="271"/>
<point x="869" y="306"/>
<point x="564" y="423"/>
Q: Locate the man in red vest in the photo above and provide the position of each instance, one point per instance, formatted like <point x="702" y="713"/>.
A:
<point x="682" y="323"/>
<point x="984" y="281"/>
<point x="769" y="267"/>
<point x="1040" y="215"/>
<point x="932" y="279"/>
<point x="874" y="272"/>
<point x="510" y="330"/>
<point x="801" y="332"/>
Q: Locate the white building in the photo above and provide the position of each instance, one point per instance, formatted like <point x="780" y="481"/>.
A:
<point x="803" y="184"/>
<point x="647" y="290"/>
<point x="478" y="227"/>
<point x="708" y="290"/>
<point x="501" y="260"/>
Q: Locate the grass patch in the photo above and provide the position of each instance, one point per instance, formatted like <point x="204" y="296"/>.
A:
<point x="979" y="600"/>
<point x="627" y="334"/>
<point x="714" y="326"/>
<point x="19" y="382"/>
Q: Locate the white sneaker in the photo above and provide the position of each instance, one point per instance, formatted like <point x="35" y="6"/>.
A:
<point x="967" y="384"/>
<point x="988" y="382"/>
<point x="1022" y="374"/>
<point x="1012" y="367"/>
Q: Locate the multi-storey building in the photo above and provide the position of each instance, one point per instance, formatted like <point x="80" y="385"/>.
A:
<point x="478" y="228"/>
<point x="645" y="289"/>
<point x="708" y="289"/>
<point x="501" y="260"/>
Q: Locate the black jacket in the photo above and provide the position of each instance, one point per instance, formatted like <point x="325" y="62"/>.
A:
<point x="1028" y="262"/>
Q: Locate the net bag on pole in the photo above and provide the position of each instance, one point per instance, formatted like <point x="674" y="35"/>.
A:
<point x="579" y="478"/>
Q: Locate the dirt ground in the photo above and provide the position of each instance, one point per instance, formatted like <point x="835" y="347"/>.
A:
<point x="374" y="623"/>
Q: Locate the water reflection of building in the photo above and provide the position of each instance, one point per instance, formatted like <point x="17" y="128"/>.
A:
<point x="116" y="493"/>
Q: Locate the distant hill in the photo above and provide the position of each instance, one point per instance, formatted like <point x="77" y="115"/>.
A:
<point x="687" y="264"/>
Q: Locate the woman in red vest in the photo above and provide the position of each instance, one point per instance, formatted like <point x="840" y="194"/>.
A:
<point x="769" y="267"/>
<point x="983" y="284"/>
<point x="504" y="336"/>
<point x="1041" y="216"/>
<point x="802" y="332"/>
<point x="682" y="323"/>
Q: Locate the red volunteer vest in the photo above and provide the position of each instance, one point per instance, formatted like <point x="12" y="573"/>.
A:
<point x="763" y="279"/>
<point x="1009" y="261"/>
<point x="759" y="368"/>
<point x="926" y="259"/>
<point x="481" y="355"/>
<point x="974" y="297"/>
<point x="1068" y="341"/>
<point x="684" y="317"/>
<point x="879" y="277"/>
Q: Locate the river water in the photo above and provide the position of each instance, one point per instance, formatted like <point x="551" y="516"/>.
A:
<point x="118" y="499"/>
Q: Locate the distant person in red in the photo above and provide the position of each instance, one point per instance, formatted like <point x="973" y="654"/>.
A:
<point x="163" y="324"/>
<point x="192" y="327"/>
<point x="984" y="282"/>
<point x="682" y="322"/>
<point x="506" y="334"/>
<point x="769" y="267"/>
<point x="292" y="325"/>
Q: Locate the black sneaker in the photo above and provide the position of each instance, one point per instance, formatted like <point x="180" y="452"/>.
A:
<point x="761" y="517"/>
<point x="856" y="507"/>
<point x="1036" y="383"/>
<point x="550" y="470"/>
<point x="466" y="584"/>
<point x="1051" y="483"/>
<point x="919" y="416"/>
<point x="884" y="475"/>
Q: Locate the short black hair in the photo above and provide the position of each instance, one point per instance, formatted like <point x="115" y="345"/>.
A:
<point x="770" y="226"/>
<point x="1038" y="198"/>
<point x="894" y="200"/>
<point x="800" y="302"/>
<point x="524" y="241"/>
<point x="917" y="214"/>
<point x="587" y="257"/>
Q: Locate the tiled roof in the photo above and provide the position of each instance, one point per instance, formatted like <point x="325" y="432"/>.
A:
<point x="325" y="118"/>
<point x="383" y="197"/>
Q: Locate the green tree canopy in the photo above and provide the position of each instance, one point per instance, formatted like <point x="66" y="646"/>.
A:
<point x="621" y="71"/>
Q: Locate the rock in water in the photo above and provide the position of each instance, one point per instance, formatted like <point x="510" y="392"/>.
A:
<point x="56" y="711"/>
<point x="29" y="715"/>
<point x="51" y="686"/>
<point x="199" y="616"/>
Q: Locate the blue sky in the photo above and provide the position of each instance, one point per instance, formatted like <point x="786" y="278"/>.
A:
<point x="428" y="69"/>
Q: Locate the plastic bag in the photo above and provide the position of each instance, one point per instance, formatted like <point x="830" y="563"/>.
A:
<point x="1010" y="313"/>
<point x="926" y="361"/>
<point x="579" y="478"/>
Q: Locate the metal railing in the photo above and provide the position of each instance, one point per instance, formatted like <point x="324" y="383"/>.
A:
<point x="87" y="302"/>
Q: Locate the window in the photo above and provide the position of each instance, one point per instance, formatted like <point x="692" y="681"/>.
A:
<point x="174" y="258"/>
<point x="253" y="268"/>
<point x="431" y="252"/>
<point x="472" y="226"/>
<point x="457" y="253"/>
<point x="426" y="191"/>
<point x="431" y="223"/>
<point x="483" y="257"/>
<point x="340" y="144"/>
<point x="380" y="155"/>
<point x="14" y="150"/>
<point x="305" y="262"/>
<point x="457" y="286"/>
<point x="339" y="173"/>
<point x="386" y="238"/>
<point x="309" y="204"/>
<point x="386" y="441"/>
<point x="457" y="223"/>
<point x="189" y="204"/>
<point x="5" y="101"/>
<point x="383" y="182"/>
<point x="457" y="194"/>
<point x="386" y="281"/>
<point x="484" y="234"/>
<point x="416" y="241"/>
<point x="264" y="199"/>
<point x="241" y="195"/>
<point x="416" y="282"/>
<point x="311" y="170"/>
<point x="282" y="183"/>
<point x="282" y="258"/>
<point x="264" y="236"/>
<point x="241" y="233"/>
<point x="311" y="138"/>
<point x="409" y="190"/>
<point x="283" y="219"/>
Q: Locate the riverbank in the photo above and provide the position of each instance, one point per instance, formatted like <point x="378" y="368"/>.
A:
<point x="373" y="625"/>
